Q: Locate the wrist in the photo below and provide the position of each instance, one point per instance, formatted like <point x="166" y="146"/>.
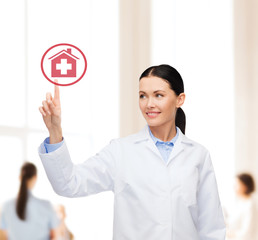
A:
<point x="55" y="135"/>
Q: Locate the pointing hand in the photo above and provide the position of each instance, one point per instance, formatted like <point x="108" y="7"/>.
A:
<point x="51" y="113"/>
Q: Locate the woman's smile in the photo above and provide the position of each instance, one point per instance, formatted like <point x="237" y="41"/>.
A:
<point x="152" y="114"/>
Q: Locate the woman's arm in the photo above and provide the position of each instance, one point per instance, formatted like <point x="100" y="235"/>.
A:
<point x="97" y="174"/>
<point x="211" y="224"/>
<point x="67" y="179"/>
<point x="53" y="234"/>
<point x="3" y="235"/>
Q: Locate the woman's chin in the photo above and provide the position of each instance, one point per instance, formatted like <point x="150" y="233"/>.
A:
<point x="154" y="123"/>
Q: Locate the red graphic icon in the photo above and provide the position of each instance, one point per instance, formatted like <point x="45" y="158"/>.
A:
<point x="64" y="62"/>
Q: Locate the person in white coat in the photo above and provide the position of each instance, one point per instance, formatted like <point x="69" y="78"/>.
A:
<point x="242" y="220"/>
<point x="164" y="183"/>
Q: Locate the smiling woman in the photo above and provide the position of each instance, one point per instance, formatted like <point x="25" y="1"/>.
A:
<point x="161" y="97"/>
<point x="179" y="177"/>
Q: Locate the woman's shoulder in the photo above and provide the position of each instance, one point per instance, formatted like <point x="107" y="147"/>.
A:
<point x="194" y="143"/>
<point x="8" y="206"/>
<point x="253" y="200"/>
<point x="42" y="202"/>
<point x="196" y="150"/>
<point x="131" y="138"/>
<point x="9" y="202"/>
<point x="184" y="139"/>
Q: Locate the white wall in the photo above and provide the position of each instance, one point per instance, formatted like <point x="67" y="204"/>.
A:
<point x="246" y="85"/>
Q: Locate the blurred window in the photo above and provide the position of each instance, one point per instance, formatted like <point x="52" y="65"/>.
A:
<point x="90" y="108"/>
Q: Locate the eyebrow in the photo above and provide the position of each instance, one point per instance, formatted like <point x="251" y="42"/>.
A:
<point x="153" y="92"/>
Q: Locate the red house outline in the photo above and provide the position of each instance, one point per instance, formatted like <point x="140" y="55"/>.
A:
<point x="63" y="64"/>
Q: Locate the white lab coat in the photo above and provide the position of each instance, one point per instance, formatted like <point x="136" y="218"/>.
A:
<point x="154" y="200"/>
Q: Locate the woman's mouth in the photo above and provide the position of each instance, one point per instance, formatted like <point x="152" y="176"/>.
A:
<point x="152" y="114"/>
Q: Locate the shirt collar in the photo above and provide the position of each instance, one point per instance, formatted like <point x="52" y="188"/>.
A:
<point x="158" y="141"/>
<point x="144" y="135"/>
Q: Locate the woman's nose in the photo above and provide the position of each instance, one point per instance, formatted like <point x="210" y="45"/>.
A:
<point x="150" y="103"/>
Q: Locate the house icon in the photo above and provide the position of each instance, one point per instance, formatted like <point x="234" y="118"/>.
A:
<point x="63" y="64"/>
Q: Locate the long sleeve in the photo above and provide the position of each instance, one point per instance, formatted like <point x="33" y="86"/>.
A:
<point x="211" y="224"/>
<point x="92" y="176"/>
<point x="51" y="147"/>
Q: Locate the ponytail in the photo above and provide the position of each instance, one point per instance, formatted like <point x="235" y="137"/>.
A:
<point x="180" y="119"/>
<point x="28" y="171"/>
<point x="22" y="199"/>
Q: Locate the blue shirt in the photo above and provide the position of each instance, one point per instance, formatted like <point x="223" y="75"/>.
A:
<point x="52" y="147"/>
<point x="40" y="220"/>
<point x="164" y="148"/>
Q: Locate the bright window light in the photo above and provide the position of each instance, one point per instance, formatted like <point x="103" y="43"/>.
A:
<point x="90" y="108"/>
<point x="12" y="64"/>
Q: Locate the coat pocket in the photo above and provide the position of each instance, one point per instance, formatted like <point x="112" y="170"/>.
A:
<point x="189" y="187"/>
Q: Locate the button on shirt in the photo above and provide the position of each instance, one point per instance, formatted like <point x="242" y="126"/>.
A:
<point x="164" y="148"/>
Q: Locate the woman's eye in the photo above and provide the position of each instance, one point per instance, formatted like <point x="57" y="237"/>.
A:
<point x="159" y="95"/>
<point x="142" y="96"/>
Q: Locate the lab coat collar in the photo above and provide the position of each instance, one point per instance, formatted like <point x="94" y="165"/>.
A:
<point x="144" y="136"/>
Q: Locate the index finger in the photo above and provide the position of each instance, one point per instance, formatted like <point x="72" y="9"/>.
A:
<point x="56" y="93"/>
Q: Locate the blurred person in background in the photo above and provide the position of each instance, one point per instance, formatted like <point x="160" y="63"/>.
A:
<point x="2" y="233"/>
<point x="63" y="233"/>
<point x="242" y="220"/>
<point x="27" y="217"/>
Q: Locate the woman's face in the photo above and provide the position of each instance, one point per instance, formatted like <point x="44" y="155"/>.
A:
<point x="158" y="102"/>
<point x="240" y="188"/>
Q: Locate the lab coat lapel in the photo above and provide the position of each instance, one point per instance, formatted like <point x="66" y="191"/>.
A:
<point x="179" y="146"/>
<point x="144" y="137"/>
<point x="177" y="149"/>
<point x="151" y="146"/>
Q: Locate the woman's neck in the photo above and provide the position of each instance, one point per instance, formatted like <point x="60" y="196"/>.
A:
<point x="165" y="132"/>
<point x="245" y="196"/>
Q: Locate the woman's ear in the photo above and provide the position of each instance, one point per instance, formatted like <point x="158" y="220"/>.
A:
<point x="180" y="100"/>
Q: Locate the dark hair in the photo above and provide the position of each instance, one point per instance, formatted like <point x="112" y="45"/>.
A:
<point x="248" y="181"/>
<point x="175" y="81"/>
<point x="28" y="171"/>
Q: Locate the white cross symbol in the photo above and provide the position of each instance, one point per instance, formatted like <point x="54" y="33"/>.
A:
<point x="64" y="66"/>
